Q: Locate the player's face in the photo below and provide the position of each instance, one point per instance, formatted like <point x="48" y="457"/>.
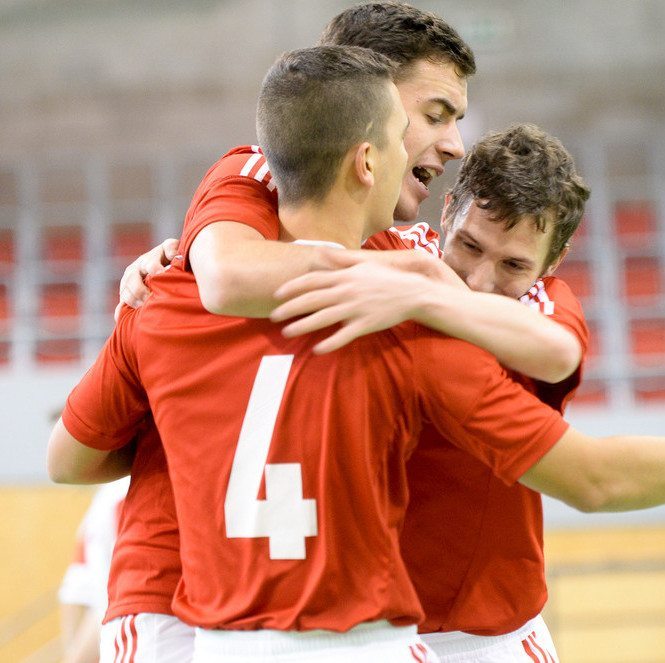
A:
<point x="391" y="166"/>
<point x="434" y="97"/>
<point x="490" y="258"/>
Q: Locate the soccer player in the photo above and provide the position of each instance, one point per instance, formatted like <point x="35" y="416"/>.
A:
<point x="283" y="563"/>
<point x="510" y="215"/>
<point x="434" y="65"/>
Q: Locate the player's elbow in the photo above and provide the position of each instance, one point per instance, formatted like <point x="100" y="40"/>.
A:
<point x="217" y="289"/>
<point x="561" y="361"/>
<point x="58" y="471"/>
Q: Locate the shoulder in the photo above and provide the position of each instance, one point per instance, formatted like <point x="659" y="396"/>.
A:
<point x="244" y="161"/>
<point x="419" y="236"/>
<point x="549" y="293"/>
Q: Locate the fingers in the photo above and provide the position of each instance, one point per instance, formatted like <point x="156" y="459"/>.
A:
<point x="169" y="250"/>
<point x="306" y="283"/>
<point x="315" y="321"/>
<point x="307" y="302"/>
<point x="133" y="290"/>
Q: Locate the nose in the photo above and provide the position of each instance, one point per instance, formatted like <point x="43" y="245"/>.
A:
<point x="482" y="278"/>
<point x="450" y="146"/>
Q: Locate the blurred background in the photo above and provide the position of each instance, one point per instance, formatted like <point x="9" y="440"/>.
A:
<point x="112" y="111"/>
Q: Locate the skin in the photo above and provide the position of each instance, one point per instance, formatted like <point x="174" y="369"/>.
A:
<point x="231" y="259"/>
<point x="490" y="258"/>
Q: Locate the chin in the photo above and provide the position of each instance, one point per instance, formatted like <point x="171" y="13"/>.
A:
<point x="406" y="211"/>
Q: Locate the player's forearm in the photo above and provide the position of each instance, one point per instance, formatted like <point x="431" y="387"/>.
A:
<point x="241" y="278"/>
<point x="619" y="473"/>
<point x="522" y="339"/>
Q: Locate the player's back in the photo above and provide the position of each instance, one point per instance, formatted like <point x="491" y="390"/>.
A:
<point x="288" y="468"/>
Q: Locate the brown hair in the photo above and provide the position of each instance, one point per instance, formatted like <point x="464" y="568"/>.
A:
<point x="522" y="171"/>
<point x="314" y="105"/>
<point x="401" y="32"/>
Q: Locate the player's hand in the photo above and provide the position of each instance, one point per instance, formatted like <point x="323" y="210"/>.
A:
<point x="133" y="290"/>
<point x="364" y="298"/>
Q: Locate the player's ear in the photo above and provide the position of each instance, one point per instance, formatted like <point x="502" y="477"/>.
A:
<point x="364" y="164"/>
<point x="551" y="269"/>
<point x="444" y="216"/>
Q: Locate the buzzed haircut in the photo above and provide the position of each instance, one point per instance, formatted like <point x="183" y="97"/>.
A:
<point x="522" y="171"/>
<point x="403" y="33"/>
<point x="314" y="105"/>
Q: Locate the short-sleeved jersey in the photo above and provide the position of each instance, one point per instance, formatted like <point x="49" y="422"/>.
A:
<point x="85" y="580"/>
<point x="239" y="188"/>
<point x="145" y="567"/>
<point x="288" y="468"/>
<point x="473" y="545"/>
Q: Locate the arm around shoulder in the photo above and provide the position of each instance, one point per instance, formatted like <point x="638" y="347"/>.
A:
<point x="237" y="271"/>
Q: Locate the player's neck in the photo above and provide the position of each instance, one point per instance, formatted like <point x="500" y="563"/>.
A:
<point x="332" y="220"/>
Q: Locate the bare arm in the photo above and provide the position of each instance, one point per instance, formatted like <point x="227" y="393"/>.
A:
<point x="371" y="297"/>
<point x="618" y="473"/>
<point x="238" y="271"/>
<point x="70" y="461"/>
<point x="80" y="628"/>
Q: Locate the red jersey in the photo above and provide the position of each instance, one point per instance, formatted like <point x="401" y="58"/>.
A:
<point x="452" y="585"/>
<point x="473" y="545"/>
<point x="145" y="567"/>
<point x="288" y="468"/>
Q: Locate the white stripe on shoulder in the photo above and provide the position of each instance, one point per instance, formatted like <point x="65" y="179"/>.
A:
<point x="249" y="164"/>
<point x="261" y="172"/>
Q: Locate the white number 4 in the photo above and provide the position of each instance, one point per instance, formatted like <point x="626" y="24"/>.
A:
<point x="284" y="516"/>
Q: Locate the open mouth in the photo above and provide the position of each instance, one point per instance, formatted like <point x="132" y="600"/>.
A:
<point x="422" y="175"/>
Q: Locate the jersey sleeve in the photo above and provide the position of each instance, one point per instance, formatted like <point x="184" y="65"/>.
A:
<point x="237" y="188"/>
<point x="419" y="236"/>
<point x="471" y="401"/>
<point x="107" y="407"/>
<point x="554" y="298"/>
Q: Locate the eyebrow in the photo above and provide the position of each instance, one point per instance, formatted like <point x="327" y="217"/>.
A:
<point x="448" y="106"/>
<point x="467" y="236"/>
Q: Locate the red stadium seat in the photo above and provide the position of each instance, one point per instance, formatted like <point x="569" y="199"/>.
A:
<point x="635" y="222"/>
<point x="5" y="352"/>
<point x="57" y="351"/>
<point x="63" y="248"/>
<point x="7" y="250"/>
<point x="60" y="307"/>
<point x="5" y="304"/>
<point x="577" y="274"/>
<point x="649" y="390"/>
<point x="642" y="280"/>
<point x="647" y="341"/>
<point x="591" y="392"/>
<point x="130" y="240"/>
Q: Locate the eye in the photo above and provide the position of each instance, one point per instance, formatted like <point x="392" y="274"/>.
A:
<point x="435" y="119"/>
<point x="515" y="266"/>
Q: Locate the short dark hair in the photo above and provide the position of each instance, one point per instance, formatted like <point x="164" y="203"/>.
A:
<point x="403" y="33"/>
<point x="523" y="171"/>
<point x="314" y="105"/>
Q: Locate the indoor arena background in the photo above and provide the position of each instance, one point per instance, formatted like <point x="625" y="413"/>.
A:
<point x="112" y="110"/>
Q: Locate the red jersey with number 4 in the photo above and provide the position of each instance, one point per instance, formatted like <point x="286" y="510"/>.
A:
<point x="288" y="468"/>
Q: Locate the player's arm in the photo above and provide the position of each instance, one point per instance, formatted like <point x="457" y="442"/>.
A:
<point x="369" y="297"/>
<point x="71" y="461"/>
<point x="81" y="645"/>
<point x="237" y="270"/>
<point x="618" y="473"/>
